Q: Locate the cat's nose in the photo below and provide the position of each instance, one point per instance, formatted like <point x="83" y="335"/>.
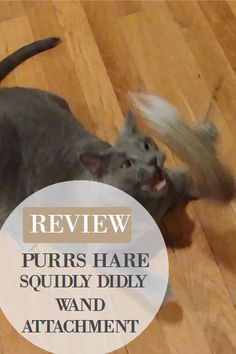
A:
<point x="153" y="162"/>
<point x="158" y="160"/>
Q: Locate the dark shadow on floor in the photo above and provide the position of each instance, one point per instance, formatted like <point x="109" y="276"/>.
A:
<point x="170" y="311"/>
<point x="177" y="228"/>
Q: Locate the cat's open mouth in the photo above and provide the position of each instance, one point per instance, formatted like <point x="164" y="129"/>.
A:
<point x="156" y="182"/>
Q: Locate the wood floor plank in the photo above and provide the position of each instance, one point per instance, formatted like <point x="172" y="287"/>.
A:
<point x="232" y="5"/>
<point x="179" y="60"/>
<point x="10" y="80"/>
<point x="183" y="331"/>
<point x="211" y="58"/>
<point x="10" y="10"/>
<point x="154" y="337"/>
<point x="94" y="78"/>
<point x="113" y="48"/>
<point x="127" y="7"/>
<point x="222" y="21"/>
<point x="58" y="66"/>
<point x="13" y="342"/>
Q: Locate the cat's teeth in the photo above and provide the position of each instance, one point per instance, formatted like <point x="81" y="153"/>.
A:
<point x="160" y="185"/>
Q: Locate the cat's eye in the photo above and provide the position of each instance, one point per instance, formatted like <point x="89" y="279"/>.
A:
<point x="127" y="163"/>
<point x="147" y="145"/>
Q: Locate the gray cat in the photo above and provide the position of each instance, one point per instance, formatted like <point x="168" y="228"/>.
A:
<point x="42" y="143"/>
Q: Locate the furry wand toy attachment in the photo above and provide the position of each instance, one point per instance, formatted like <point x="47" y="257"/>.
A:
<point x="212" y="178"/>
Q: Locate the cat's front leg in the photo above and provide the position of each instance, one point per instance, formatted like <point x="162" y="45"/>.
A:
<point x="179" y="189"/>
<point x="181" y="186"/>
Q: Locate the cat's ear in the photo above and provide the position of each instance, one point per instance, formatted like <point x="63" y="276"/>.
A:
<point x="95" y="163"/>
<point x="129" y="126"/>
<point x="130" y="123"/>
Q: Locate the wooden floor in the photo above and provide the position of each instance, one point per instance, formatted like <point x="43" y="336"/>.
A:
<point x="186" y="52"/>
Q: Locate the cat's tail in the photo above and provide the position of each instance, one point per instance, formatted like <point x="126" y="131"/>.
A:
<point x="28" y="51"/>
<point x="212" y="178"/>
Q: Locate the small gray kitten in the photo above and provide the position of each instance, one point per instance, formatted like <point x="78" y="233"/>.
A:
<point x="41" y="143"/>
